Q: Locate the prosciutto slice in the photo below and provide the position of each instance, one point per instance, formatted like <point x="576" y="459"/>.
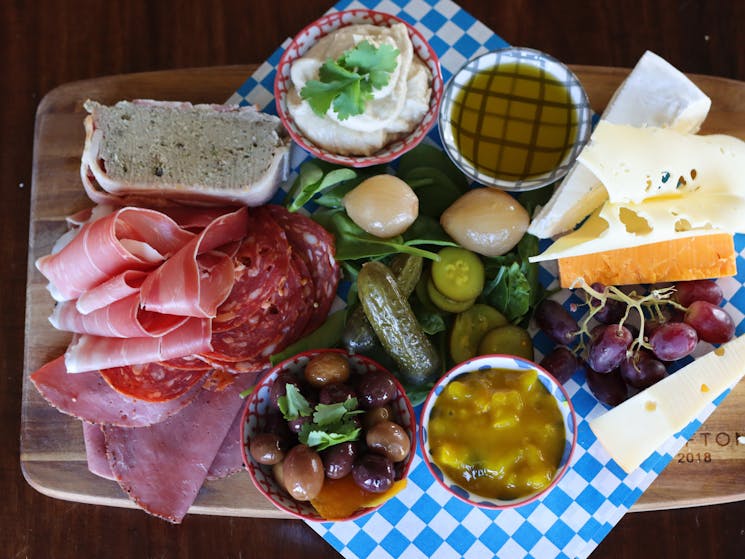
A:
<point x="88" y="397"/>
<point x="121" y="319"/>
<point x="123" y="285"/>
<point x="197" y="279"/>
<point x="128" y="239"/>
<point x="91" y="353"/>
<point x="162" y="467"/>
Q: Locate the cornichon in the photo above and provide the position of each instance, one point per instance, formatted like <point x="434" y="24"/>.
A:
<point x="359" y="336"/>
<point x="395" y="325"/>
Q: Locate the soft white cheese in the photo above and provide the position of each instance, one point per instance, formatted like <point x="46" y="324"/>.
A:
<point x="661" y="185"/>
<point x="654" y="94"/>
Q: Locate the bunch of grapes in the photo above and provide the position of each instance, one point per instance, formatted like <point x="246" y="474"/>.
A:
<point x="618" y="355"/>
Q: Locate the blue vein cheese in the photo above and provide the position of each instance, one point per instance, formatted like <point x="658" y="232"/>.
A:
<point x="661" y="185"/>
<point x="654" y="94"/>
<point x="633" y="430"/>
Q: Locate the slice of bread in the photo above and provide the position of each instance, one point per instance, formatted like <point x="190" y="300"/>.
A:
<point x="160" y="152"/>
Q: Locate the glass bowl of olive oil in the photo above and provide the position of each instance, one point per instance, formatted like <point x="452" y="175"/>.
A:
<point x="515" y="119"/>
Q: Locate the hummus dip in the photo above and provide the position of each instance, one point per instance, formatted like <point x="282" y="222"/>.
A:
<point x="394" y="110"/>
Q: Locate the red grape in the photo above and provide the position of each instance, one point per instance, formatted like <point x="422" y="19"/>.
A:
<point x="712" y="323"/>
<point x="673" y="341"/>
<point x="561" y="363"/>
<point x="608" y="348"/>
<point x="642" y="369"/>
<point x="556" y="321"/>
<point x="609" y="388"/>
<point x="686" y="292"/>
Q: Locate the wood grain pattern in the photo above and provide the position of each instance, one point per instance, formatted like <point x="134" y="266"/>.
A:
<point x="52" y="451"/>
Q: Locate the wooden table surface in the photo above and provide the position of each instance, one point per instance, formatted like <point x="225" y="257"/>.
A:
<point x="46" y="43"/>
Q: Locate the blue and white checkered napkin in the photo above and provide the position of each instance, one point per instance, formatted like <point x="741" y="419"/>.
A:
<point x="426" y="521"/>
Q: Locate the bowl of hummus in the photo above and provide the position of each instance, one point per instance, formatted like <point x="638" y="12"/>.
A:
<point x="358" y="88"/>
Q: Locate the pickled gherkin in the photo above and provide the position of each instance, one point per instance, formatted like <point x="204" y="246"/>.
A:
<point x="395" y="325"/>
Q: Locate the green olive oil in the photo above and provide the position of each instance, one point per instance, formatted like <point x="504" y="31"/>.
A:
<point x="514" y="121"/>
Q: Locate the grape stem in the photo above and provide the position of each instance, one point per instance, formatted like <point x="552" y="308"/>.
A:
<point x="652" y="302"/>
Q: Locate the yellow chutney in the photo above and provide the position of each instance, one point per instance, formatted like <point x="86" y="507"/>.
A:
<point x="497" y="433"/>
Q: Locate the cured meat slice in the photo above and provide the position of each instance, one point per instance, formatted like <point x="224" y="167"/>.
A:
<point x="162" y="467"/>
<point x="261" y="261"/>
<point x="153" y="382"/>
<point x="229" y="458"/>
<point x="128" y="239"/>
<point x="197" y="279"/>
<point x="92" y="353"/>
<point x="121" y="319"/>
<point x="123" y="285"/>
<point x="95" y="451"/>
<point x="188" y="362"/>
<point x="88" y="397"/>
<point x="316" y="245"/>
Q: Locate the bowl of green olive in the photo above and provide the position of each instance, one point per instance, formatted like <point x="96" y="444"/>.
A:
<point x="328" y="435"/>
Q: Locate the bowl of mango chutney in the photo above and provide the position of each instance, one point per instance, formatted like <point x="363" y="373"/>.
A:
<point x="498" y="431"/>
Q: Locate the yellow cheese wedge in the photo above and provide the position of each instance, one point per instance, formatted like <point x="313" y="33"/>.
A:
<point x="709" y="256"/>
<point x="654" y="94"/>
<point x="633" y="430"/>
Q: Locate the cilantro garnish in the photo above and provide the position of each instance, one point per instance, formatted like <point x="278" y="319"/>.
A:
<point x="330" y="423"/>
<point x="348" y="82"/>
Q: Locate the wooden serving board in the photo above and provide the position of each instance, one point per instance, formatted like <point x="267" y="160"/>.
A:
<point x="711" y="469"/>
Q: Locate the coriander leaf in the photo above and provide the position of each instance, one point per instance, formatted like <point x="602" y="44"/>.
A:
<point x="350" y="101"/>
<point x="294" y="405"/>
<point x="347" y="83"/>
<point x="378" y="63"/>
<point x="328" y="414"/>
<point x="321" y="440"/>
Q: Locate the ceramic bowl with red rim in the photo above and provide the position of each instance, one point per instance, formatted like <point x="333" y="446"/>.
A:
<point x="454" y="455"/>
<point x="260" y="413"/>
<point x="329" y="23"/>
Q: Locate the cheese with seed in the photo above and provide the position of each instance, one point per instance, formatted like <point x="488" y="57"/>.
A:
<point x="633" y="430"/>
<point x="654" y="94"/>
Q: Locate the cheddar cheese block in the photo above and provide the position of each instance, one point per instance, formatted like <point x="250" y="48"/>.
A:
<point x="689" y="258"/>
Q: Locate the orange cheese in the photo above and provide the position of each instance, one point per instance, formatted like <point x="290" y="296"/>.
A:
<point x="708" y="256"/>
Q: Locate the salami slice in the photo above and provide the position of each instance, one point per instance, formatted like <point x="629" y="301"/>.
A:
<point x="152" y="382"/>
<point x="261" y="261"/>
<point x="88" y="397"/>
<point x="316" y="245"/>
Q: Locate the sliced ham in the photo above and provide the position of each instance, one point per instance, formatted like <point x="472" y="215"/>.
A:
<point x="128" y="239"/>
<point x="229" y="458"/>
<point x="121" y="319"/>
<point x="88" y="397"/>
<point x="120" y="286"/>
<point x="95" y="451"/>
<point x="197" y="279"/>
<point x="162" y="467"/>
<point x="92" y="353"/>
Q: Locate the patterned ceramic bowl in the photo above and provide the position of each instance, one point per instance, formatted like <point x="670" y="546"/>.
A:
<point x="324" y="26"/>
<point x="483" y="363"/>
<point x="258" y="408"/>
<point x="515" y="119"/>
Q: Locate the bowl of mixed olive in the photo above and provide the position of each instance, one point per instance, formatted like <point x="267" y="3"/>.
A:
<point x="328" y="435"/>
